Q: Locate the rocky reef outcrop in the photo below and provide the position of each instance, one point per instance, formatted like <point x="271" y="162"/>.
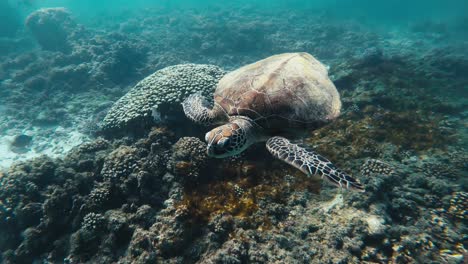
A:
<point x="53" y="28"/>
<point x="159" y="199"/>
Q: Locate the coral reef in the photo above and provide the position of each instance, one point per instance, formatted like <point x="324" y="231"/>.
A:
<point x="163" y="89"/>
<point x="52" y="28"/>
<point x="459" y="205"/>
<point x="374" y="166"/>
<point x="188" y="158"/>
<point x="153" y="196"/>
<point x="120" y="163"/>
<point x="126" y="201"/>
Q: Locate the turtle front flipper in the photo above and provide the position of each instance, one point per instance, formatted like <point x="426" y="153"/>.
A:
<point x="196" y="109"/>
<point x="310" y="163"/>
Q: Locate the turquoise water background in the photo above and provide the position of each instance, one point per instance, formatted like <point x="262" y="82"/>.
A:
<point x="393" y="12"/>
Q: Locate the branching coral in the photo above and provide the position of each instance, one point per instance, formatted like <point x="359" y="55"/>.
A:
<point x="120" y="163"/>
<point x="188" y="158"/>
<point x="93" y="222"/>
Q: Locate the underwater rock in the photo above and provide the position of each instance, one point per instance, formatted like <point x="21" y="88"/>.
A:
<point x="371" y="57"/>
<point x="161" y="90"/>
<point x="112" y="205"/>
<point x="88" y="156"/>
<point x="21" y="143"/>
<point x="71" y="76"/>
<point x="140" y="249"/>
<point x="52" y="27"/>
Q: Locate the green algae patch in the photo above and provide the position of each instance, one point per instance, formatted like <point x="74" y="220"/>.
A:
<point x="359" y="135"/>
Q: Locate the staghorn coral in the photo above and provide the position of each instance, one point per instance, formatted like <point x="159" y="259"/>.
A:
<point x="165" y="87"/>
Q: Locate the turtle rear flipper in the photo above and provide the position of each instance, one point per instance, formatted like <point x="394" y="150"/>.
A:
<point x="310" y="163"/>
<point x="196" y="109"/>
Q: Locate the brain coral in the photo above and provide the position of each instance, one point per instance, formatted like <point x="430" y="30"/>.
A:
<point x="166" y="86"/>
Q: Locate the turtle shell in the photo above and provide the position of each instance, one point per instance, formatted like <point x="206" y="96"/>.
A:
<point x="281" y="92"/>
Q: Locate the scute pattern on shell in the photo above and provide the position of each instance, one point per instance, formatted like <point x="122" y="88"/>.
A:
<point x="283" y="91"/>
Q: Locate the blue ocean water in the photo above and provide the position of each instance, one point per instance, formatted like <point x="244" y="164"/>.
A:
<point x="183" y="131"/>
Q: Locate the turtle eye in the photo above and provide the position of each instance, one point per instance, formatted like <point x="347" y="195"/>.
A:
<point x="223" y="142"/>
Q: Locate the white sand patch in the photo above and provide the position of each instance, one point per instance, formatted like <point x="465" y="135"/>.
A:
<point x="375" y="224"/>
<point x="54" y="142"/>
<point x="337" y="202"/>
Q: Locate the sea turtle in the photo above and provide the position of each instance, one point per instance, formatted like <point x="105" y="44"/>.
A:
<point x="278" y="96"/>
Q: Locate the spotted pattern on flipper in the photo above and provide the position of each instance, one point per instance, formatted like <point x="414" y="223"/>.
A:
<point x="311" y="163"/>
<point x="196" y="109"/>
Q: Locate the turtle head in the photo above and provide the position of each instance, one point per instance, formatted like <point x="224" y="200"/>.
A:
<point x="229" y="139"/>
